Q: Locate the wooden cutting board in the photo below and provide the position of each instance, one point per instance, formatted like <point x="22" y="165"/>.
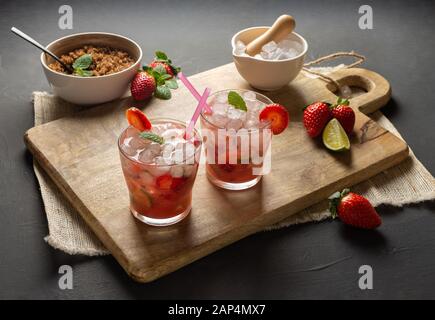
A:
<point x="80" y="154"/>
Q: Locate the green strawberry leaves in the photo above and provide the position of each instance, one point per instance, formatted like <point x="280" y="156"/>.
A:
<point x="152" y="137"/>
<point x="340" y="102"/>
<point x="334" y="201"/>
<point x="164" y="81"/>
<point x="237" y="101"/>
<point x="81" y="64"/>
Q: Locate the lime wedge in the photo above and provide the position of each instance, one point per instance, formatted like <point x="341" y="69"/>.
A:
<point x="334" y="136"/>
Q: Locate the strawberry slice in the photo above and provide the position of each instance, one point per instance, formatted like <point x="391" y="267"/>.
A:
<point x="164" y="182"/>
<point x="138" y="119"/>
<point x="177" y="183"/>
<point x="196" y="143"/>
<point x="277" y="115"/>
<point x="167" y="182"/>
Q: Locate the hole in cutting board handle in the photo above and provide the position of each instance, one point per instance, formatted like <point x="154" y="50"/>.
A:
<point x="359" y="85"/>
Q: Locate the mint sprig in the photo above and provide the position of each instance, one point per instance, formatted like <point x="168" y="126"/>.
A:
<point x="152" y="137"/>
<point x="164" y="81"/>
<point x="163" y="57"/>
<point x="163" y="92"/>
<point x="83" y="73"/>
<point x="81" y="64"/>
<point x="160" y="70"/>
<point x="172" y="84"/>
<point x="237" y="101"/>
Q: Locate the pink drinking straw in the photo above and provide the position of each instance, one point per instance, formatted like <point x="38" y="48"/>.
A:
<point x="192" y="90"/>
<point x="201" y="104"/>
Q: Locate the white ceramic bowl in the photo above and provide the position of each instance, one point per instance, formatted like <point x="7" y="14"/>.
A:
<point x="267" y="75"/>
<point x="91" y="90"/>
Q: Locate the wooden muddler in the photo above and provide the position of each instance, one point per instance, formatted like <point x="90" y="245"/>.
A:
<point x="282" y="27"/>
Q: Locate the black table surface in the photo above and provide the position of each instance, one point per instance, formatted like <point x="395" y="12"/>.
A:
<point x="315" y="260"/>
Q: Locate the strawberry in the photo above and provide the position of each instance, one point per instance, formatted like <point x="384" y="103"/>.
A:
<point x="196" y="141"/>
<point x="277" y="115"/>
<point x="344" y="114"/>
<point x="164" y="182"/>
<point x="315" y="118"/>
<point x="166" y="66"/>
<point x="138" y="119"/>
<point x="354" y="210"/>
<point x="177" y="183"/>
<point x="162" y="59"/>
<point x="167" y="182"/>
<point x="142" y="86"/>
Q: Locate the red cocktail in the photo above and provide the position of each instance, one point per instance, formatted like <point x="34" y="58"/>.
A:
<point x="160" y="167"/>
<point x="236" y="141"/>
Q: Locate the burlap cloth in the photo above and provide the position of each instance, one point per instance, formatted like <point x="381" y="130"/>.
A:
<point x="408" y="182"/>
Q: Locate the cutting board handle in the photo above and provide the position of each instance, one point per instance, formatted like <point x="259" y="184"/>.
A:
<point x="378" y="89"/>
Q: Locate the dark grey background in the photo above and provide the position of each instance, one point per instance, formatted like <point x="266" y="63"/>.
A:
<point x="297" y="262"/>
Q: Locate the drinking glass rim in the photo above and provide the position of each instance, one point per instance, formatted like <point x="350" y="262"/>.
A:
<point x="267" y="123"/>
<point x="156" y="120"/>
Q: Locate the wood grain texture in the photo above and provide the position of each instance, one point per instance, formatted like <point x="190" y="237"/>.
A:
<point x="80" y="154"/>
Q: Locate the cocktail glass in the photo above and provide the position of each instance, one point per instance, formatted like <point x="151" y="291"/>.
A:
<point x="236" y="159"/>
<point x="160" y="193"/>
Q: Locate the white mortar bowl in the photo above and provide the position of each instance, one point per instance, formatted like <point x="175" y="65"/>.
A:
<point x="91" y="90"/>
<point x="267" y="75"/>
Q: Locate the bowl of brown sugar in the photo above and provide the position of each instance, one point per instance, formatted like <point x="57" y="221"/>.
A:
<point x="102" y="64"/>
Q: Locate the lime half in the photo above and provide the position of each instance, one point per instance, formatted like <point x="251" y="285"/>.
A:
<point x="334" y="136"/>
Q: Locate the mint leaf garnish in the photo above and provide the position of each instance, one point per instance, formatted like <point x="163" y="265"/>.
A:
<point x="83" y="73"/>
<point x="152" y="137"/>
<point x="83" y="62"/>
<point x="163" y="92"/>
<point x="87" y="73"/>
<point x="161" y="55"/>
<point x="164" y="81"/>
<point x="147" y="69"/>
<point x="166" y="76"/>
<point x="160" y="69"/>
<point x="172" y="84"/>
<point x="237" y="101"/>
<point x="175" y="70"/>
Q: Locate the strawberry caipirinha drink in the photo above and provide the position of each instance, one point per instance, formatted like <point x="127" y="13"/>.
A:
<point x="159" y="167"/>
<point x="237" y="130"/>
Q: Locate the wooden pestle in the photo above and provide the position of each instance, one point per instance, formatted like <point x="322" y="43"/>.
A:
<point x="281" y="28"/>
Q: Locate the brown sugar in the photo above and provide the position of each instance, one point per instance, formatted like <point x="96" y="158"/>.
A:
<point x="105" y="60"/>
